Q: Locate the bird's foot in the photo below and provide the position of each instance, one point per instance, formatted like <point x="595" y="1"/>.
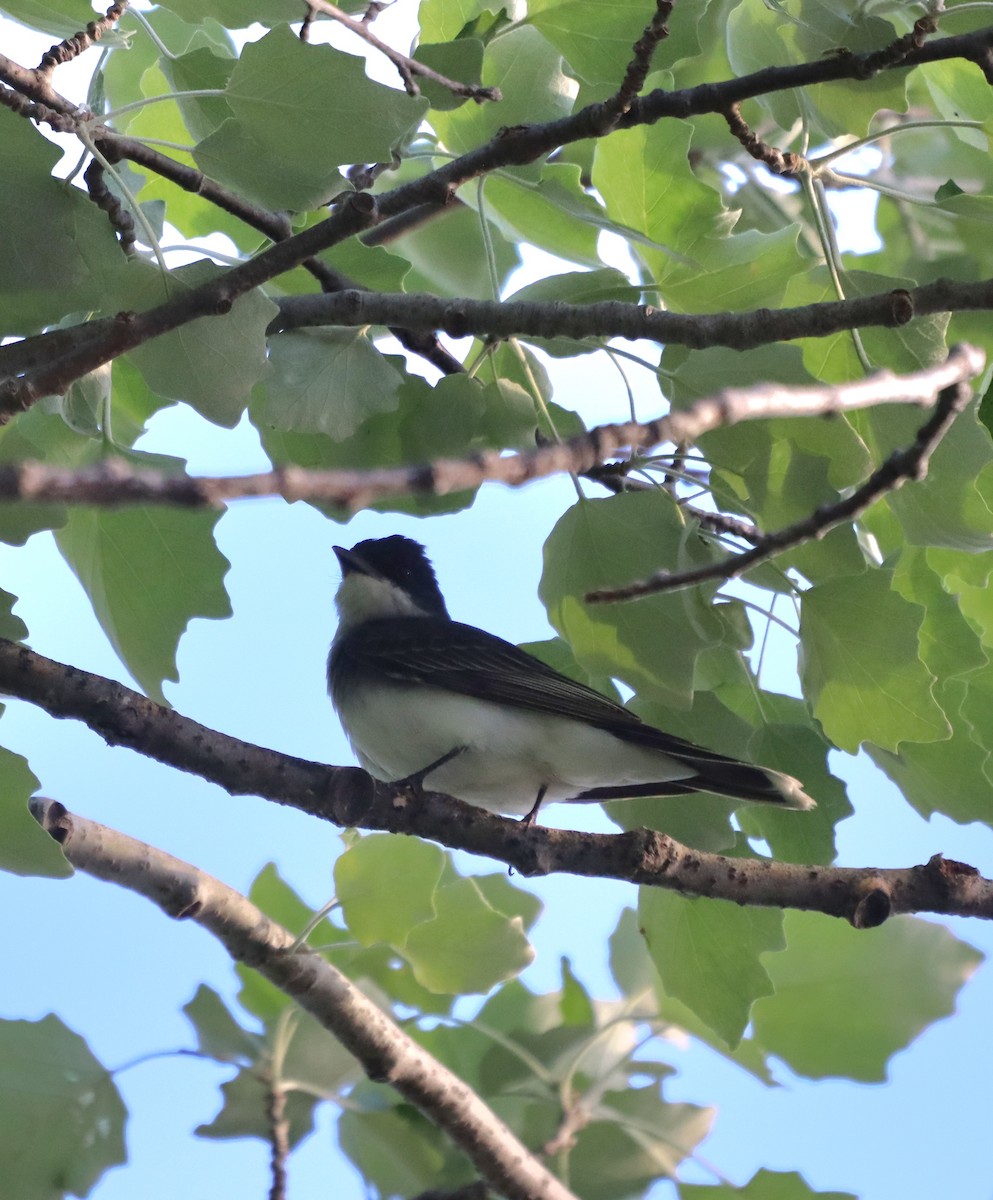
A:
<point x="414" y="783"/>
<point x="532" y="816"/>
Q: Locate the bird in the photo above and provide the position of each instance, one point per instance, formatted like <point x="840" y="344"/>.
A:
<point x="427" y="701"/>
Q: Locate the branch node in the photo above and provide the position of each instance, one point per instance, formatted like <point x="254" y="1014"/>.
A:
<point x="873" y="905"/>
<point x="903" y="306"/>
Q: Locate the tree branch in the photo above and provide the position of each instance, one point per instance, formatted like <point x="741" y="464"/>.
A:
<point x="116" y="482"/>
<point x="865" y="896"/>
<point x="386" y="1053"/>
<point x="279" y="1126"/>
<point x="618" y="319"/>
<point x="910" y="463"/>
<point x="407" y="67"/>
<point x="72" y="47"/>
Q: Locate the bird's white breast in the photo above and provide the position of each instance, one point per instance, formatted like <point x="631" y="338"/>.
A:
<point x="509" y="753"/>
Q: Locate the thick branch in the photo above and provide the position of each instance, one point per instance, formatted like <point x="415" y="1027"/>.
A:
<point x="115" y="482"/>
<point x="347" y="796"/>
<point x="902" y="465"/>
<point x="618" y="319"/>
<point x="386" y="1053"/>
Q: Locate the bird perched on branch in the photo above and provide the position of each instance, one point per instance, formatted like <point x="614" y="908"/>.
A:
<point x="426" y="700"/>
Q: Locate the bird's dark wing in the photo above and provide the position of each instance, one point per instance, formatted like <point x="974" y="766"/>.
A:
<point x="435" y="652"/>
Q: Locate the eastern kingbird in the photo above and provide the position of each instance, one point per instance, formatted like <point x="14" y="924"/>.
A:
<point x="427" y="700"/>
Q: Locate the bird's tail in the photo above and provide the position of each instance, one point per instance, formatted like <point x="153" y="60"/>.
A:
<point x="724" y="776"/>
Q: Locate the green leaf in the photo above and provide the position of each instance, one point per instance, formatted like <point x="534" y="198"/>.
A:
<point x="764" y="1185"/>
<point x="951" y="507"/>
<point x="648" y="186"/>
<point x="391" y="1150"/>
<point x="461" y="60"/>
<point x="449" y="257"/>
<point x="575" y="1005"/>
<point x="597" y="40"/>
<point x="634" y="972"/>
<point x="366" y="877"/>
<point x="211" y="363"/>
<point x="239" y="14"/>
<point x="799" y="750"/>
<point x="199" y="70"/>
<point x="328" y="381"/>
<point x="25" y="848"/>
<point x="278" y="87"/>
<point x="707" y="954"/>
<point x="807" y="31"/>
<point x="555" y="213"/>
<point x="598" y="543"/>
<point x="58" y="250"/>
<point x="240" y="157"/>
<point x="244" y="1112"/>
<point x="218" y="1034"/>
<point x="443" y="20"/>
<point x="508" y="900"/>
<point x="861" y="665"/>
<point x="467" y="946"/>
<point x="638" y="1138"/>
<point x="148" y="572"/>
<point x="52" y="1082"/>
<point x="949" y="644"/>
<point x="528" y="71"/>
<point x="847" y="1000"/>
<point x="60" y="18"/>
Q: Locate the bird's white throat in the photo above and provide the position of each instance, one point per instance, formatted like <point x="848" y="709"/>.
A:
<point x="366" y="598"/>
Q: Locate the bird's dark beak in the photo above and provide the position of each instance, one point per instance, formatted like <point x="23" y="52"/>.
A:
<point x="349" y="562"/>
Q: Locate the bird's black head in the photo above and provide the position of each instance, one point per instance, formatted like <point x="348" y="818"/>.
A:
<point x="400" y="561"/>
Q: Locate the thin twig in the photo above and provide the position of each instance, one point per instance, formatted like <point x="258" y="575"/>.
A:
<point x="65" y="51"/>
<point x="902" y="465"/>
<point x="308" y="20"/>
<point x="780" y="162"/>
<point x="641" y="60"/>
<point x="104" y="198"/>
<point x="279" y="1139"/>
<point x="408" y="67"/>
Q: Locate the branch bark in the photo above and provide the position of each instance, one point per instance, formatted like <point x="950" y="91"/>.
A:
<point x="864" y="896"/>
<point x="386" y="1053"/>
<point x="116" y="482"/>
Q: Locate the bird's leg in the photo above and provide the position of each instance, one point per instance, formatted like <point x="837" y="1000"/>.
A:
<point x="415" y="781"/>
<point x="532" y="816"/>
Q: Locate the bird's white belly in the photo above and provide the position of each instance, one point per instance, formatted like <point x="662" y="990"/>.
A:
<point x="508" y="756"/>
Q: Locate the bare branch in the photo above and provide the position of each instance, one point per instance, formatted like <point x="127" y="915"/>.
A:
<point x="116" y="482"/>
<point x="910" y="463"/>
<point x="408" y="67"/>
<point x="778" y="161"/>
<point x="865" y="896"/>
<point x="104" y="198"/>
<point x="72" y="47"/>
<point x="308" y="20"/>
<point x="615" y="318"/>
<point x="386" y="1053"/>
<point x="641" y="60"/>
<point x="279" y="1126"/>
